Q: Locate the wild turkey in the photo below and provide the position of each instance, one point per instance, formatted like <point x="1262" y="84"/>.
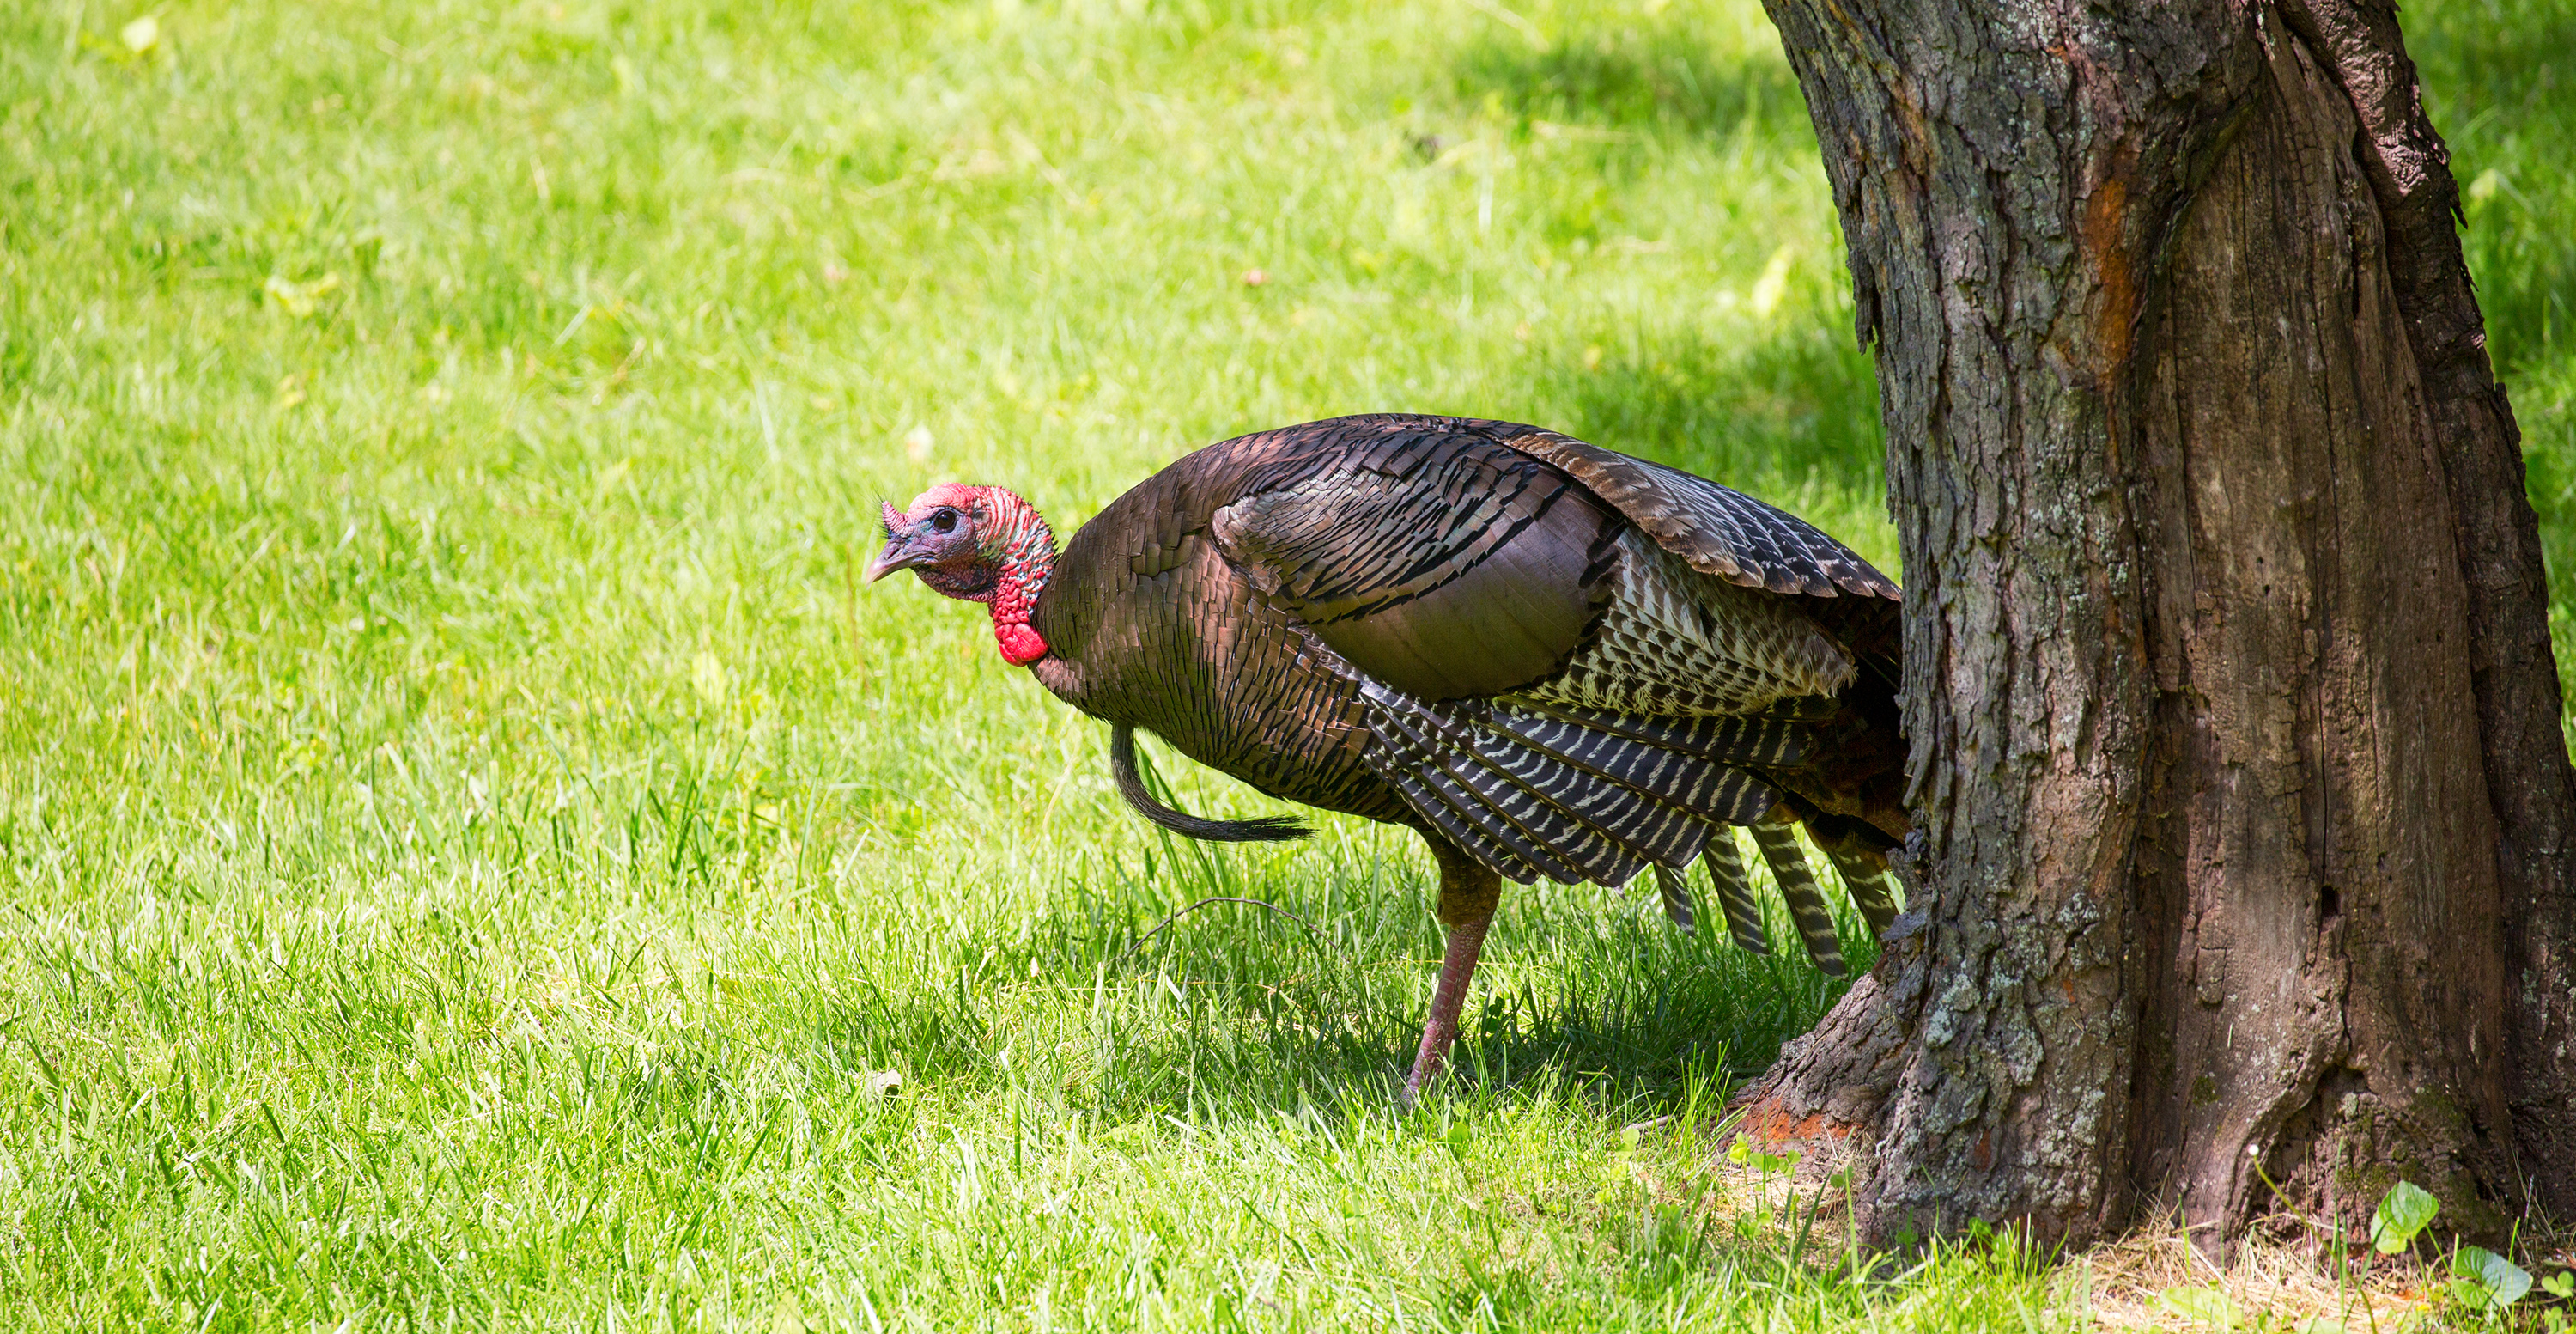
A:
<point x="1546" y="658"/>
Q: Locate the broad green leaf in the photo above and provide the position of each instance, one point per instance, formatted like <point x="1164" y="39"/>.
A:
<point x="2500" y="1282"/>
<point x="2317" y="1324"/>
<point x="2406" y="1210"/>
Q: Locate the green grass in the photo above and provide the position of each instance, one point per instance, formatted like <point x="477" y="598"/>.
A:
<point x="472" y="848"/>
<point x="2501" y="77"/>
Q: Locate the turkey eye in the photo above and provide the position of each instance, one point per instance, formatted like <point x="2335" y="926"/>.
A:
<point x="944" y="521"/>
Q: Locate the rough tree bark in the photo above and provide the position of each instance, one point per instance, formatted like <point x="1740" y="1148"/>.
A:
<point x="2246" y="822"/>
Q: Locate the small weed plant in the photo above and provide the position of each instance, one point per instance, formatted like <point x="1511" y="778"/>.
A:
<point x="2479" y="1288"/>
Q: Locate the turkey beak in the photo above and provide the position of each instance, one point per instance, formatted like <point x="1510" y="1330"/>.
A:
<point x="899" y="553"/>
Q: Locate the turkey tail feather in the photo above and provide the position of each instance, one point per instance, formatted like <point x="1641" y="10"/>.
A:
<point x="1734" y="896"/>
<point x="1131" y="785"/>
<point x="1807" y="909"/>
<point x="1675" y="888"/>
<point x="1872" y="883"/>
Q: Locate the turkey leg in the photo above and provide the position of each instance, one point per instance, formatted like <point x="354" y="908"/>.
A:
<point x="1468" y="895"/>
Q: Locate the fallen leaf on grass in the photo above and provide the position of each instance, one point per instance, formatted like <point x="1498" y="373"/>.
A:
<point x="300" y="299"/>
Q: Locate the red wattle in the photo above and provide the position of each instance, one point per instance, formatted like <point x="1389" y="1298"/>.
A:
<point x="1020" y="644"/>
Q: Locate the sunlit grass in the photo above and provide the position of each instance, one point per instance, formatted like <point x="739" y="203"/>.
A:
<point x="475" y="855"/>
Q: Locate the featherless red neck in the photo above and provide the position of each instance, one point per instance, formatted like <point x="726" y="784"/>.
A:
<point x="1028" y="558"/>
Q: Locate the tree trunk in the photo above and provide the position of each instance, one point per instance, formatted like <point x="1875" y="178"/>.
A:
<point x="2246" y="818"/>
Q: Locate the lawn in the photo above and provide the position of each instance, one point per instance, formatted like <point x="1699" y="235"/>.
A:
<point x="474" y="853"/>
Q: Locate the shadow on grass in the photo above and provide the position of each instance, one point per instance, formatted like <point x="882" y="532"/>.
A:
<point x="1666" y="78"/>
<point x="1585" y="996"/>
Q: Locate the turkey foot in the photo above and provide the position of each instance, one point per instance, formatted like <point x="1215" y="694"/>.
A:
<point x="1468" y="895"/>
